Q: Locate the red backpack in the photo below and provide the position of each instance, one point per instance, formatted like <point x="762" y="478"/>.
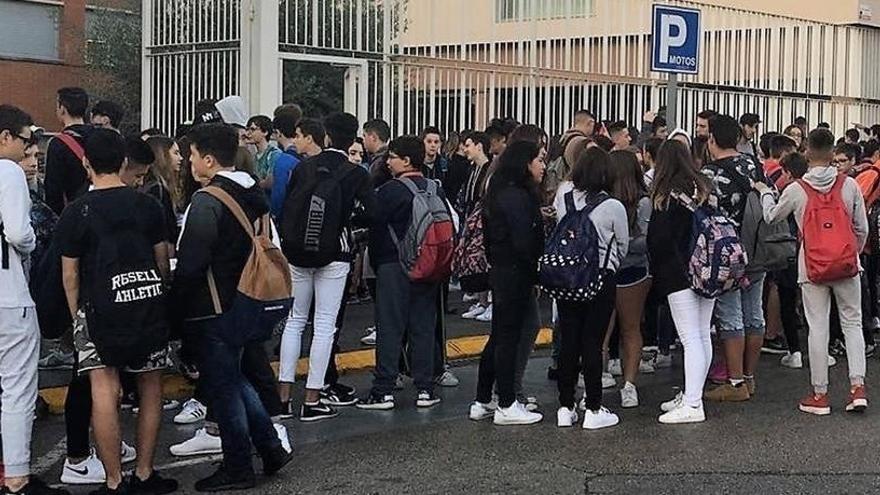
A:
<point x="830" y="247"/>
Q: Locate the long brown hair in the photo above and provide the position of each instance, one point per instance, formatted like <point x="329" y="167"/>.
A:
<point x="676" y="172"/>
<point x="162" y="171"/>
<point x="629" y="182"/>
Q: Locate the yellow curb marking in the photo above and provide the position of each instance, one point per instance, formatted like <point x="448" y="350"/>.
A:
<point x="177" y="387"/>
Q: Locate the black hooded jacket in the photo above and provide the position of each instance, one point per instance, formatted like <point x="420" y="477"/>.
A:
<point x="213" y="237"/>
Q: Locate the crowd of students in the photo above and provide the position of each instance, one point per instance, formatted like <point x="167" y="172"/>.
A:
<point x="242" y="226"/>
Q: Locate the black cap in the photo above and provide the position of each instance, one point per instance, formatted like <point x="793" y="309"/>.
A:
<point x="750" y="119"/>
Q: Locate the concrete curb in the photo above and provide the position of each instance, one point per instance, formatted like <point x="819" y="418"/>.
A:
<point x="177" y="387"/>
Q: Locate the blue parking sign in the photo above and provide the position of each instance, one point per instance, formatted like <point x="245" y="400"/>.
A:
<point x="676" y="40"/>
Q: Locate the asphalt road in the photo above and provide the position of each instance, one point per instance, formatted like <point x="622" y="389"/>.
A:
<point x="764" y="446"/>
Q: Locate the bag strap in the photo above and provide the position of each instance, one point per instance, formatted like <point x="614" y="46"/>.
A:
<point x="685" y="200"/>
<point x="4" y="247"/>
<point x="233" y="207"/>
<point x="569" y="202"/>
<point x="72" y="144"/>
<point x="215" y="295"/>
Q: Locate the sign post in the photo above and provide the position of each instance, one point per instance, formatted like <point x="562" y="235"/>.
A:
<point x="676" y="34"/>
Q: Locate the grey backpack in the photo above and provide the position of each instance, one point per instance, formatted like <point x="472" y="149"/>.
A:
<point x="769" y="246"/>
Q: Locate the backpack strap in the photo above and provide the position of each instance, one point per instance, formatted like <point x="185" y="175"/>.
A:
<point x="4" y="247"/>
<point x="233" y="206"/>
<point x="685" y="200"/>
<point x="569" y="202"/>
<point x="812" y="193"/>
<point x="72" y="144"/>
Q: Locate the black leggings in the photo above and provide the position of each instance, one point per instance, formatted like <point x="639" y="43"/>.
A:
<point x="789" y="312"/>
<point x="582" y="326"/>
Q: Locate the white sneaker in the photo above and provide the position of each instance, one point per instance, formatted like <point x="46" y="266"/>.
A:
<point x="480" y="411"/>
<point x="608" y="381"/>
<point x="794" y="360"/>
<point x="832" y="361"/>
<point x="582" y="404"/>
<point x="485" y="316"/>
<point x="675" y="403"/>
<point x="516" y="414"/>
<point x="683" y="414"/>
<point x="530" y="403"/>
<point x="474" y="311"/>
<point x="369" y="337"/>
<point x="88" y="472"/>
<point x="662" y="361"/>
<point x="128" y="454"/>
<point x="200" y="444"/>
<point x="614" y="367"/>
<point x="566" y="417"/>
<point x="282" y="435"/>
<point x="447" y="379"/>
<point x="603" y="418"/>
<point x="193" y="411"/>
<point x="629" y="396"/>
<point x="646" y="366"/>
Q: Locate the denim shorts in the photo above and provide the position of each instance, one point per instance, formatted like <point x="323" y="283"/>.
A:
<point x="631" y="275"/>
<point x="741" y="312"/>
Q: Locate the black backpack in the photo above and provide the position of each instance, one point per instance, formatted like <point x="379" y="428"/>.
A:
<point x="47" y="290"/>
<point x="312" y="226"/>
<point x="126" y="310"/>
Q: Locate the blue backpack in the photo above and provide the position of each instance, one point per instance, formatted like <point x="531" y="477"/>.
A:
<point x="570" y="268"/>
<point x="718" y="259"/>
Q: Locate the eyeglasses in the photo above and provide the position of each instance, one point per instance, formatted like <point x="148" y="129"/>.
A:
<point x="27" y="140"/>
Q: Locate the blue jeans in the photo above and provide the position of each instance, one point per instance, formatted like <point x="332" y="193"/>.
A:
<point x="234" y="403"/>
<point x="739" y="313"/>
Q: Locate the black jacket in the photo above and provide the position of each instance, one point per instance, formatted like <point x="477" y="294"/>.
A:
<point x="212" y="237"/>
<point x="393" y="208"/>
<point x="669" y="239"/>
<point x="66" y="178"/>
<point x="514" y="230"/>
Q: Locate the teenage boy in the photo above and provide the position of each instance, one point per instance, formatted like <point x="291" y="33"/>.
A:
<point x="436" y="165"/>
<point x="320" y="274"/>
<point x="740" y="317"/>
<point x="619" y="134"/>
<point x="113" y="218"/>
<point x="107" y="115"/>
<point x="66" y="178"/>
<point x="259" y="130"/>
<point x="212" y="251"/>
<point x="780" y="147"/>
<point x="19" y="332"/>
<point x="701" y="128"/>
<point x="377" y="132"/>
<point x="823" y="178"/>
<point x="748" y="130"/>
<point x="309" y="137"/>
<point x="285" y="123"/>
<point x="403" y="307"/>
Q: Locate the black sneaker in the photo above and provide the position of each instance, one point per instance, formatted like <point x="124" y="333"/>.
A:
<point x="316" y="412"/>
<point x="870" y="349"/>
<point x="376" y="402"/>
<point x="36" y="486"/>
<point x="222" y="481"/>
<point x="288" y="410"/>
<point x="129" y="401"/>
<point x="837" y="348"/>
<point x="275" y="460"/>
<point x="338" y="395"/>
<point x="775" y="346"/>
<point x="552" y="373"/>
<point x="122" y="489"/>
<point x="154" y="485"/>
<point x="427" y="399"/>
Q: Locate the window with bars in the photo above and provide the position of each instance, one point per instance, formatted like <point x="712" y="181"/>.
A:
<point x="527" y="10"/>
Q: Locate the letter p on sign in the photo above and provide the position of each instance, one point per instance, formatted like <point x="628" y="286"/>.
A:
<point x="676" y="39"/>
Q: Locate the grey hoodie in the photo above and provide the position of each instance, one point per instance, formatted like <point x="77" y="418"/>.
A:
<point x="794" y="200"/>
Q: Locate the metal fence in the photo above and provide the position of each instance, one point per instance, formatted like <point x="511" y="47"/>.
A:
<point x="535" y="61"/>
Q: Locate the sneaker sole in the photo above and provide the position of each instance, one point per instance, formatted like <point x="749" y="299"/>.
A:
<point x="196" y="453"/>
<point x="818" y="411"/>
<point x="314" y="419"/>
<point x="339" y="403"/>
<point x="426" y="404"/>
<point x="599" y="427"/>
<point x="187" y="421"/>
<point x="81" y="480"/>
<point x="517" y="423"/>
<point x="375" y="407"/>
<point x="857" y="406"/>
<point x="682" y="421"/>
<point x="767" y="350"/>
